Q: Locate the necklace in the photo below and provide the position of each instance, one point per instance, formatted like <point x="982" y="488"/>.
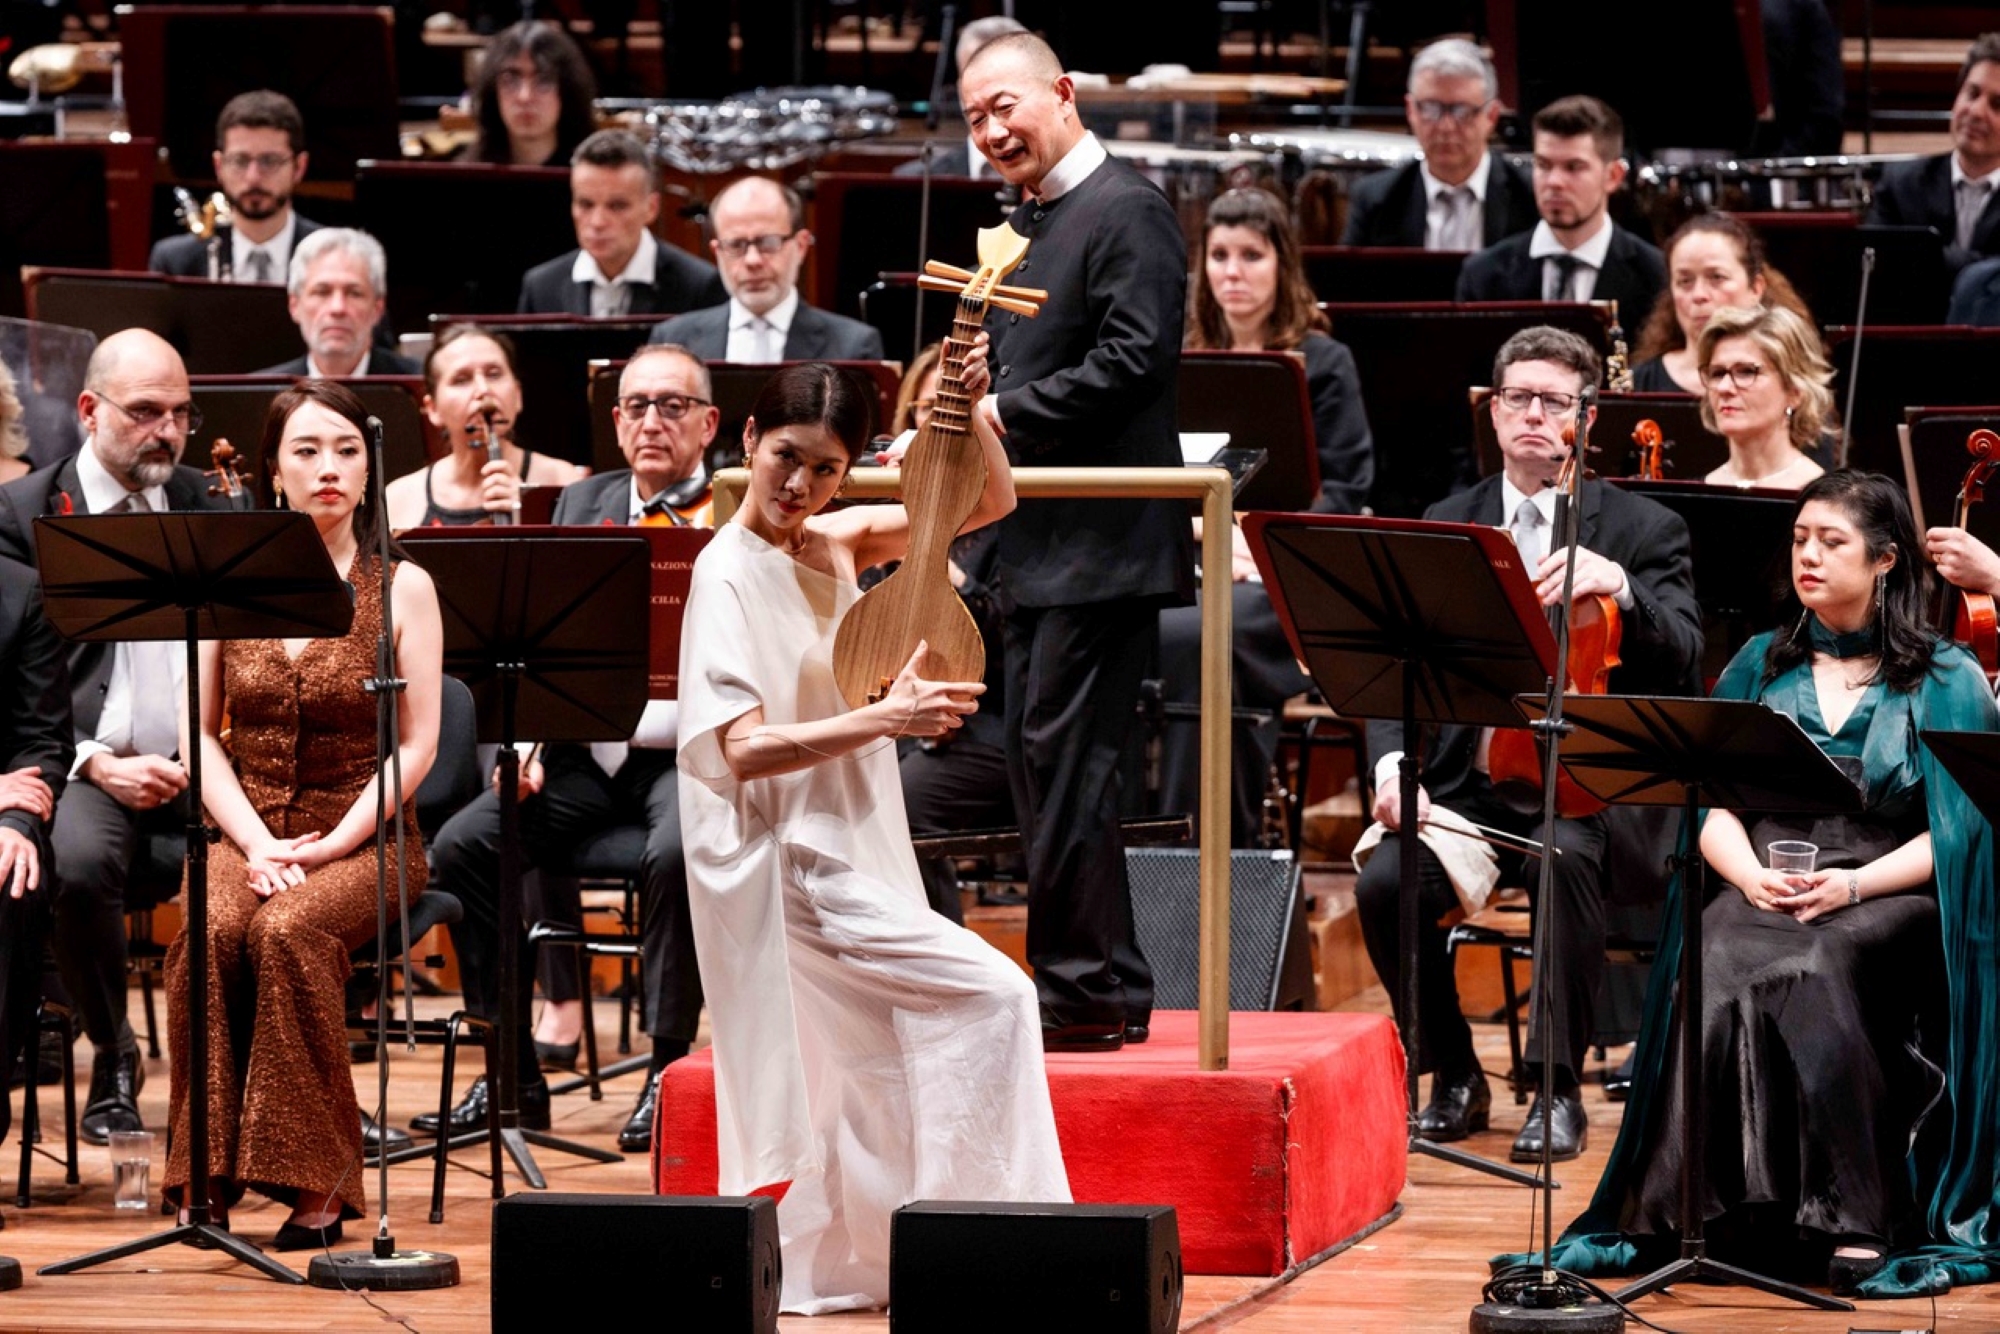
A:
<point x="794" y="549"/>
<point x="1859" y="647"/>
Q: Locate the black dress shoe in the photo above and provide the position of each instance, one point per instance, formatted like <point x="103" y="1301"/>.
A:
<point x="1082" y="1037"/>
<point x="115" y="1081"/>
<point x="1459" y="1105"/>
<point x="1137" y="1033"/>
<point x="1569" y="1130"/>
<point x="637" y="1134"/>
<point x="470" y="1113"/>
<point x="298" y="1237"/>
<point x="375" y="1135"/>
<point x="556" y="1055"/>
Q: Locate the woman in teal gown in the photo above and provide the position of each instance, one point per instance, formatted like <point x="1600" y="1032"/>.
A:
<point x="1850" y="1054"/>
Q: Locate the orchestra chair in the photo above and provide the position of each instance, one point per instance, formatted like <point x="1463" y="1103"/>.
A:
<point x="608" y="859"/>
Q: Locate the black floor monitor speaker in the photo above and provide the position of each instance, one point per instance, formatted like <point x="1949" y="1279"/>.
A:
<point x="711" y="1263"/>
<point x="966" y="1267"/>
<point x="1270" y="959"/>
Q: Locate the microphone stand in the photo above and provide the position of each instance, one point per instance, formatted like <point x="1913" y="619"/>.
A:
<point x="1551" y="1299"/>
<point x="1854" y="353"/>
<point x="383" y="1266"/>
<point x="933" y="117"/>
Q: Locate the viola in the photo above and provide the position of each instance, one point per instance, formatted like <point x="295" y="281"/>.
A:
<point x="943" y="474"/>
<point x="1514" y="762"/>
<point x="225" y="479"/>
<point x="1651" y="446"/>
<point x="1972" y="616"/>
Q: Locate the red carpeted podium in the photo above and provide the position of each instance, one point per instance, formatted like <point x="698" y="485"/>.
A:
<point x="1296" y="1148"/>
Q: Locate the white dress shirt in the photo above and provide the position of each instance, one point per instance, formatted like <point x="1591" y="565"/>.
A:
<point x="279" y="248"/>
<point x="760" y="339"/>
<point x="1589" y="257"/>
<point x="142" y="700"/>
<point x="638" y="269"/>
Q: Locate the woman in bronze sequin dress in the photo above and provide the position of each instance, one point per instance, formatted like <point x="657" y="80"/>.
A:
<point x="291" y="888"/>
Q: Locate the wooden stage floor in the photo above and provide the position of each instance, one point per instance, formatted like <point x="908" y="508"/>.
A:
<point x="1422" y="1272"/>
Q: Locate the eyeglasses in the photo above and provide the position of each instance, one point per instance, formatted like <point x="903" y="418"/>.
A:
<point x="1430" y="111"/>
<point x="1742" y="376"/>
<point x="1555" y="404"/>
<point x="148" y="416"/>
<point x="265" y="162"/>
<point x="514" y="81"/>
<point x="672" y="407"/>
<point x="738" y="246"/>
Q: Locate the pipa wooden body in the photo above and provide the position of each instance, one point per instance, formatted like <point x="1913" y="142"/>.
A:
<point x="943" y="474"/>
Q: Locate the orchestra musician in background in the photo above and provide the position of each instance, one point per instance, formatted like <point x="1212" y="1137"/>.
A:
<point x="1768" y="394"/>
<point x="1713" y="260"/>
<point x="474" y="398"/>
<point x="533" y="97"/>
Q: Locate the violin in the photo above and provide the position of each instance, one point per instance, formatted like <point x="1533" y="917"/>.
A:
<point x="1651" y="446"/>
<point x="943" y="474"/>
<point x="1514" y="762"/>
<point x="225" y="479"/>
<point x="1971" y="615"/>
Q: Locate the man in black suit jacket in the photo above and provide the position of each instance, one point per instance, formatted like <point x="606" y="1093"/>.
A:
<point x="1090" y="381"/>
<point x="338" y="294"/>
<point x="136" y="412"/>
<point x="1459" y="196"/>
<point x="665" y="421"/>
<point x="260" y="157"/>
<point x="761" y="241"/>
<point x="1631" y="549"/>
<point x="35" y="757"/>
<point x="1575" y="253"/>
<point x="619" y="267"/>
<point x="1956" y="193"/>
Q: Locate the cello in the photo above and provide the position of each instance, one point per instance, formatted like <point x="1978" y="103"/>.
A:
<point x="1971" y="616"/>
<point x="943" y="474"/>
<point x="1514" y="760"/>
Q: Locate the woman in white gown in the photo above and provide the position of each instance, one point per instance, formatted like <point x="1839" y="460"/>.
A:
<point x="867" y="1050"/>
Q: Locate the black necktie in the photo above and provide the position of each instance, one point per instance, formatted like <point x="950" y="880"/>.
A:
<point x="1565" y="276"/>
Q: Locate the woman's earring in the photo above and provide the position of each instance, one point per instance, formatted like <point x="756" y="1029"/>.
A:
<point x="1882" y="605"/>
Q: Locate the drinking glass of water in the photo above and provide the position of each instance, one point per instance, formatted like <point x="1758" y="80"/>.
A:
<point x="131" y="1169"/>
<point x="1793" y="856"/>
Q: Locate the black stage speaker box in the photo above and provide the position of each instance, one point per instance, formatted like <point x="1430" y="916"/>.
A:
<point x="1270" y="959"/>
<point x="712" y="1263"/>
<point x="967" y="1267"/>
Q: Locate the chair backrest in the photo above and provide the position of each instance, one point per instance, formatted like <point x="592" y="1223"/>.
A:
<point x="454" y="778"/>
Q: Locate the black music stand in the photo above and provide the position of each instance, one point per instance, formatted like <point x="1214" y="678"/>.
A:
<point x="191" y="576"/>
<point x="1738" y="754"/>
<point x="1419" y="621"/>
<point x="550" y="634"/>
<point x="1973" y="758"/>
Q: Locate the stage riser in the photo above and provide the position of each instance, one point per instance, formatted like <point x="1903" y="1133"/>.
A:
<point x="1297" y="1146"/>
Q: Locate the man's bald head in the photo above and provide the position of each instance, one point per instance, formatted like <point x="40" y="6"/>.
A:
<point x="1024" y="50"/>
<point x="136" y="407"/>
<point x="138" y="348"/>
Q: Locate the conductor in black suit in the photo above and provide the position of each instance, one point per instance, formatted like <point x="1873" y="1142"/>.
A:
<point x="337" y="293"/>
<point x="127" y="784"/>
<point x="36" y="751"/>
<point x="260" y="157"/>
<point x="1575" y="253"/>
<point x="760" y="242"/>
<point x="665" y="420"/>
<point x="1957" y="193"/>
<point x="1460" y="195"/>
<point x="1090" y="381"/>
<point x="619" y="267"/>
<point x="1631" y="549"/>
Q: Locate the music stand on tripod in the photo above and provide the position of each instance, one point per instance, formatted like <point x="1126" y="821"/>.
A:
<point x="1418" y="621"/>
<point x="551" y="635"/>
<point x="1693" y="753"/>
<point x="190" y="577"/>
